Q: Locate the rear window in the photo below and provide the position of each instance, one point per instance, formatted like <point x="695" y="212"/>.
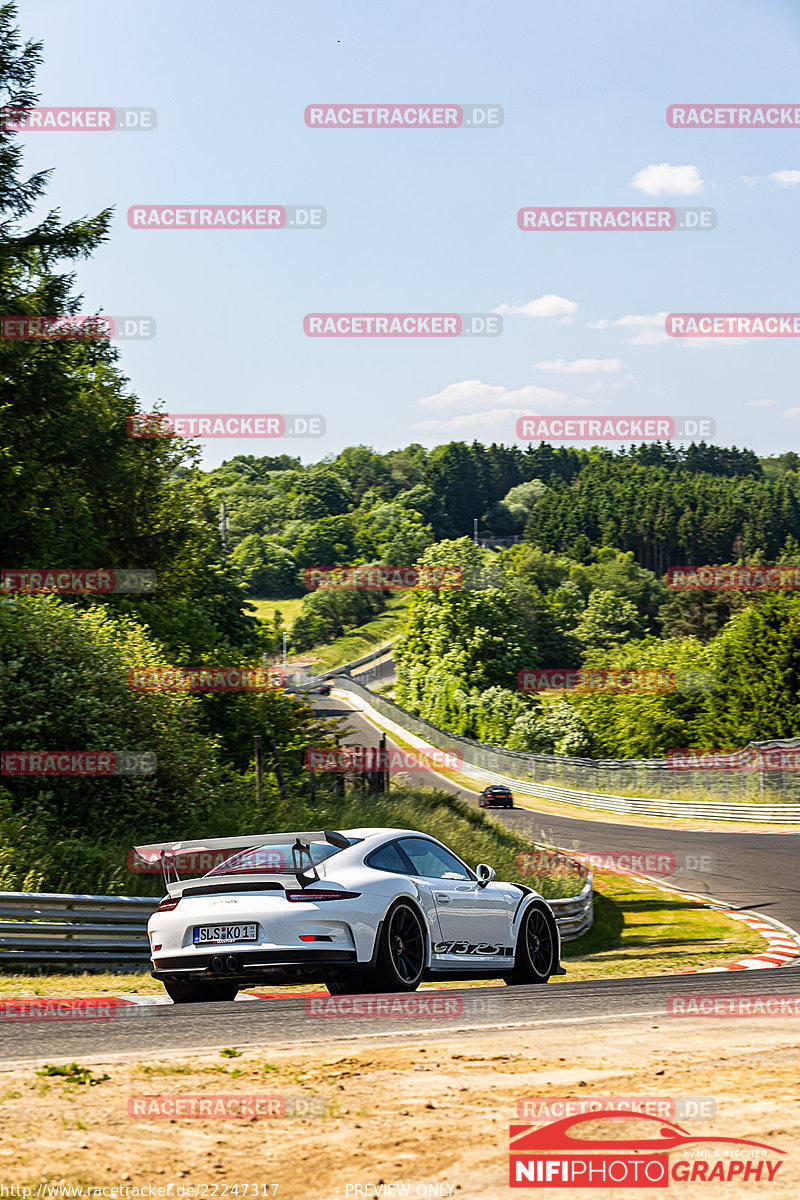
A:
<point x="266" y="860"/>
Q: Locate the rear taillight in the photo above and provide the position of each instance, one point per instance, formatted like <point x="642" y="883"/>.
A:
<point x="319" y="894"/>
<point x="168" y="903"/>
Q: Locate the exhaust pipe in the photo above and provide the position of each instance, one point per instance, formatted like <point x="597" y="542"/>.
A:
<point x="217" y="963"/>
<point x="232" y="964"/>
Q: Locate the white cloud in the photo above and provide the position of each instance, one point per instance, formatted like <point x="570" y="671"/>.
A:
<point x="548" y="305"/>
<point x="785" y="178"/>
<point x="760" y="404"/>
<point x="579" y="366"/>
<point x="791" y="414"/>
<point x="665" y="180"/>
<point x="503" y="420"/>
<point x="496" y="407"/>
<point x="650" y="330"/>
<point x="472" y="393"/>
<point x="500" y="422"/>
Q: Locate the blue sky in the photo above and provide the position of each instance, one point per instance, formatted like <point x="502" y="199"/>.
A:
<point x="425" y="220"/>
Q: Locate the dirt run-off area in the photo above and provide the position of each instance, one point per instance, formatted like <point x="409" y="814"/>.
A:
<point x="411" y="1116"/>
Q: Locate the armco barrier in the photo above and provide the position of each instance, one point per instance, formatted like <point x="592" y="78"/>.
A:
<point x="545" y="774"/>
<point x="354" y="664"/>
<point x="109" y="932"/>
<point x="37" y="928"/>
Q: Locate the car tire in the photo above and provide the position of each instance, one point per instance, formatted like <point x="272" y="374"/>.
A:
<point x="401" y="950"/>
<point x="199" y="991"/>
<point x="535" y="956"/>
<point x="400" y="956"/>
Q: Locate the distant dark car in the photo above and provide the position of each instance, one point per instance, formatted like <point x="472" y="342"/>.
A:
<point x="496" y="796"/>
<point x="320" y="689"/>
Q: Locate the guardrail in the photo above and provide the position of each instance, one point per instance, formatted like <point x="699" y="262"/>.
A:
<point x="711" y="810"/>
<point x="346" y="668"/>
<point x="110" y="932"/>
<point x="575" y="914"/>
<point x="494" y="764"/>
<point x="37" y="928"/>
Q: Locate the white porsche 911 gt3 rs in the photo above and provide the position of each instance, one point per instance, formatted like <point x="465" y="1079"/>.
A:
<point x="362" y="910"/>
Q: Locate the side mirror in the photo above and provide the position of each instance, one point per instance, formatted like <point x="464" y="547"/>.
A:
<point x="485" y="874"/>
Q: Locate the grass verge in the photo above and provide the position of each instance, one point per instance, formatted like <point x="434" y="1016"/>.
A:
<point x="288" y="608"/>
<point x="385" y="627"/>
<point x="640" y="930"/>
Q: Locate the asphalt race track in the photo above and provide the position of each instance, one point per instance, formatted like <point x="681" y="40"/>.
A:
<point x="751" y="871"/>
<point x="166" y="1030"/>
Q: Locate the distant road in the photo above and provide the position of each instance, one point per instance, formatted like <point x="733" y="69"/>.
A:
<point x="748" y="870"/>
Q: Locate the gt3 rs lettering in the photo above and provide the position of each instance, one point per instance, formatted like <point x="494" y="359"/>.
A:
<point x="481" y="948"/>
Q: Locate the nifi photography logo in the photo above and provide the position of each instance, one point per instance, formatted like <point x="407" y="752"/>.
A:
<point x="556" y="1155"/>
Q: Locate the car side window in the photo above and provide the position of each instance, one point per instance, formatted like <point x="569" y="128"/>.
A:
<point x="388" y="858"/>
<point x="433" y="861"/>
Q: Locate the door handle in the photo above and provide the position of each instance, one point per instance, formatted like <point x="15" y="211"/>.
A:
<point x="442" y="898"/>
<point x="468" y="887"/>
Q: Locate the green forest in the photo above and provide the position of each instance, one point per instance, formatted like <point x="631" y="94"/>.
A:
<point x="577" y="576"/>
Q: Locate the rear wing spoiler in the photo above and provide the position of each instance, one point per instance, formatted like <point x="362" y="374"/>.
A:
<point x="166" y="853"/>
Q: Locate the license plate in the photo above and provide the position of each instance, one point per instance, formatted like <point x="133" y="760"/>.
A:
<point x="208" y="934"/>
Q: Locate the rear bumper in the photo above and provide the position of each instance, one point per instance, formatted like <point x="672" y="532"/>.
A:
<point x="227" y="963"/>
